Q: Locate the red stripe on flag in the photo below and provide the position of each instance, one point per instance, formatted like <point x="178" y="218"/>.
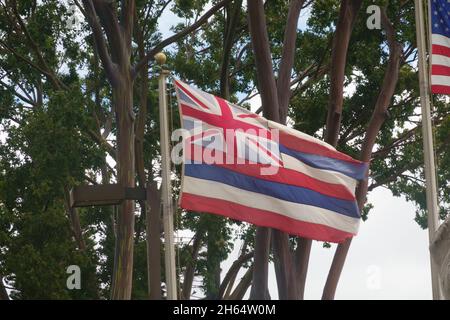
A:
<point x="442" y="50"/>
<point x="439" y="89"/>
<point x="283" y="175"/>
<point x="225" y="108"/>
<point x="218" y="121"/>
<point x="438" y="70"/>
<point x="303" y="145"/>
<point x="262" y="218"/>
<point x="294" y="178"/>
<point x="221" y="123"/>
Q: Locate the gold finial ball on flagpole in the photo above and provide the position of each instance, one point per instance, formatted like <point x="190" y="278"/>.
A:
<point x="160" y="58"/>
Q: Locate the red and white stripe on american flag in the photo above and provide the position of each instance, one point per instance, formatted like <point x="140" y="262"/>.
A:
<point x="440" y="46"/>
<point x="440" y="68"/>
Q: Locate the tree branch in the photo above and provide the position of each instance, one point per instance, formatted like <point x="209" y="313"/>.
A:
<point x="103" y="143"/>
<point x="244" y="284"/>
<point x="347" y="17"/>
<point x="268" y="90"/>
<point x="190" y="268"/>
<point x="411" y="165"/>
<point x="127" y="18"/>
<point x="27" y="61"/>
<point x="36" y="49"/>
<point x="150" y="54"/>
<point x="287" y="58"/>
<point x="263" y="59"/>
<point x="301" y="260"/>
<point x="18" y="95"/>
<point x="74" y="220"/>
<point x="119" y="44"/>
<point x="153" y="228"/>
<point x="232" y="20"/>
<point x="232" y="273"/>
<point x="108" y="65"/>
<point x="394" y="144"/>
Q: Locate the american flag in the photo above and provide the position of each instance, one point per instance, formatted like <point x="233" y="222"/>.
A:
<point x="311" y="192"/>
<point x="440" y="41"/>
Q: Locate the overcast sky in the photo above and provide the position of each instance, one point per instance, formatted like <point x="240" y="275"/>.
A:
<point x="387" y="260"/>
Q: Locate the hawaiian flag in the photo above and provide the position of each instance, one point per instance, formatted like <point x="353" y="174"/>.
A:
<point x="440" y="46"/>
<point x="240" y="165"/>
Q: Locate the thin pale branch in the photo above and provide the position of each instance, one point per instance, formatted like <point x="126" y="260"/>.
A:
<point x="287" y="57"/>
<point x="17" y="94"/>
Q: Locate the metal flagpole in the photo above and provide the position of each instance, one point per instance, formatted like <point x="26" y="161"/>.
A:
<point x="166" y="187"/>
<point x="430" y="170"/>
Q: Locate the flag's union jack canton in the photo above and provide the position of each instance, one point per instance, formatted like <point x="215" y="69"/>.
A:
<point x="440" y="42"/>
<point x="243" y="166"/>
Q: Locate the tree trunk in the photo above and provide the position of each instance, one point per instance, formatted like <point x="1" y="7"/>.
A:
<point x="244" y="284"/>
<point x="379" y="115"/>
<point x="123" y="261"/>
<point x="212" y="259"/>
<point x="151" y="208"/>
<point x="344" y="28"/>
<point x="347" y="17"/>
<point x="74" y="219"/>
<point x="301" y="259"/>
<point x="268" y="91"/>
<point x="190" y="268"/>
<point x="233" y="13"/>
<point x="228" y="280"/>
<point x="115" y="55"/>
<point x="153" y="229"/>
<point x="285" y="266"/>
<point x="263" y="60"/>
<point x="335" y="270"/>
<point x="275" y="98"/>
<point x="261" y="262"/>
<point x="287" y="58"/>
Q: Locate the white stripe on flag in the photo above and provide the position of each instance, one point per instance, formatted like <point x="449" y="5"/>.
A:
<point x="440" y="40"/>
<point x="440" y="60"/>
<point x="440" y="80"/>
<point x="319" y="174"/>
<point x="301" y="212"/>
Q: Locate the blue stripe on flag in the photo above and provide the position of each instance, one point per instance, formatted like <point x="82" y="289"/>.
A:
<point x="273" y="189"/>
<point x="353" y="170"/>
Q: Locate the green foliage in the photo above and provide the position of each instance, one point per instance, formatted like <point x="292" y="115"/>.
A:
<point x="40" y="158"/>
<point x="39" y="251"/>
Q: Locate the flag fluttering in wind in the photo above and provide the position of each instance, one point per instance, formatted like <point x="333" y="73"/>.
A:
<point x="243" y="166"/>
<point x="440" y="42"/>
